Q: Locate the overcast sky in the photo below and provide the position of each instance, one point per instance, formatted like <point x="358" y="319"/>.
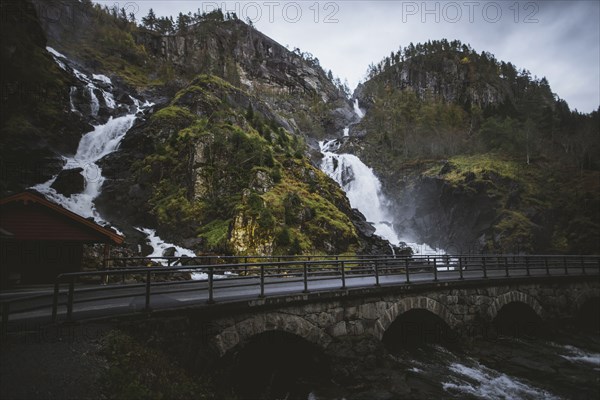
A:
<point x="556" y="39"/>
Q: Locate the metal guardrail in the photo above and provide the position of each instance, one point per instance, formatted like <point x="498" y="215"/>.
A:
<point x="218" y="277"/>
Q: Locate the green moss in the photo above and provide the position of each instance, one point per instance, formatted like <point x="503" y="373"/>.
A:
<point x="202" y="96"/>
<point x="227" y="150"/>
<point x="479" y="164"/>
<point x="515" y="233"/>
<point x="173" y="209"/>
<point x="216" y="233"/>
<point x="326" y="222"/>
<point x="173" y="114"/>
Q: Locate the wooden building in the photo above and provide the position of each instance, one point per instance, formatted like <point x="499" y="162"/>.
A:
<point x="40" y="239"/>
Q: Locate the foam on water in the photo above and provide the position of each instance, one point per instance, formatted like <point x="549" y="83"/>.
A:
<point x="483" y="382"/>
<point x="101" y="78"/>
<point x="577" y="355"/>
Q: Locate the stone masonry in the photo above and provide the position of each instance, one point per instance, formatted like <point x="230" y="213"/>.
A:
<point x="320" y="322"/>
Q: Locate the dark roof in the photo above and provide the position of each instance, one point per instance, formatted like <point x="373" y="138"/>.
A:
<point x="30" y="216"/>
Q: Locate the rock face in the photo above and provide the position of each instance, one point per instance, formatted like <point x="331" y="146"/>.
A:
<point x="292" y="83"/>
<point x="451" y="71"/>
<point x="69" y="181"/>
<point x="36" y="125"/>
<point x="239" y="184"/>
<point x="457" y="220"/>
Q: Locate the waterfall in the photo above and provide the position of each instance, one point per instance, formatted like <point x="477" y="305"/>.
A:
<point x="72" y="93"/>
<point x="357" y="109"/>
<point x="359" y="182"/>
<point x="101" y="141"/>
<point x="363" y="189"/>
<point x="94" y="104"/>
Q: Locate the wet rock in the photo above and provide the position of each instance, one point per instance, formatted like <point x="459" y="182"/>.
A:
<point x="169" y="252"/>
<point x="262" y="182"/>
<point x="146" y="249"/>
<point x="69" y="182"/>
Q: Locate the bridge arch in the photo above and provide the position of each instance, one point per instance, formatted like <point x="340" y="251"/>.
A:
<point x="412" y="303"/>
<point x="514" y="297"/>
<point x="255" y="325"/>
<point x="584" y="296"/>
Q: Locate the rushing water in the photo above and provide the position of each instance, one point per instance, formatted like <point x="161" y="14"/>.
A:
<point x="566" y="366"/>
<point x="101" y="141"/>
<point x="361" y="186"/>
<point x="363" y="189"/>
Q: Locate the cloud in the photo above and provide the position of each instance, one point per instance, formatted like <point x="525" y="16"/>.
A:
<point x="556" y="39"/>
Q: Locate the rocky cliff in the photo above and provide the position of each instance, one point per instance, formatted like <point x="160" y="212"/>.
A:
<point x="36" y="125"/>
<point x="216" y="172"/>
<point x="219" y="163"/>
<point x="157" y="65"/>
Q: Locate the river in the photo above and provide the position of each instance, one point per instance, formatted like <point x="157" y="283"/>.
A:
<point x="560" y="363"/>
<point x="563" y="365"/>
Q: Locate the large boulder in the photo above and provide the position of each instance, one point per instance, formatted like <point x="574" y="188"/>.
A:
<point x="69" y="182"/>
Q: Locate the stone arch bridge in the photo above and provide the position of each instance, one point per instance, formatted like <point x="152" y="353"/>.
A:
<point x="320" y="318"/>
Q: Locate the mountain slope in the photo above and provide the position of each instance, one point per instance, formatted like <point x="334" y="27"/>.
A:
<point x="158" y="65"/>
<point x="219" y="163"/>
<point x="214" y="171"/>
<point x="479" y="156"/>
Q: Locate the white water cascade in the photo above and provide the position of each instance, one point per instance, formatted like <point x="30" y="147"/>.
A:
<point x="361" y="186"/>
<point x="101" y="141"/>
<point x="357" y="109"/>
<point x="363" y="189"/>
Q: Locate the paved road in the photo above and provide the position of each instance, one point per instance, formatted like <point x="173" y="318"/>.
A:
<point x="96" y="300"/>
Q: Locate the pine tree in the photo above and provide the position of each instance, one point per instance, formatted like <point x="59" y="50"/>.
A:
<point x="150" y="20"/>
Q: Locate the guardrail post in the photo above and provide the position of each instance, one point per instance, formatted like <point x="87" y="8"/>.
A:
<point x="376" y="273"/>
<point x="406" y="270"/>
<point x="262" y="281"/>
<point x="147" y="308"/>
<point x="527" y="266"/>
<point x="565" y="265"/>
<point x="506" y="266"/>
<point x="210" y="285"/>
<point x="435" y="277"/>
<point x="70" y="300"/>
<point x="55" y="302"/>
<point x="460" y="269"/>
<point x="305" y="273"/>
<point x="342" y="265"/>
<point x="582" y="266"/>
<point x="484" y="266"/>
<point x="546" y="265"/>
